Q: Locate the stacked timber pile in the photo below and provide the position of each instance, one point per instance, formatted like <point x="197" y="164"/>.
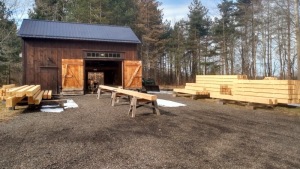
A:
<point x="269" y="92"/>
<point x="210" y="84"/>
<point x="32" y="92"/>
<point x="280" y="91"/>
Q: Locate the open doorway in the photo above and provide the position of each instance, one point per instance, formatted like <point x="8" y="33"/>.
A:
<point x="102" y="72"/>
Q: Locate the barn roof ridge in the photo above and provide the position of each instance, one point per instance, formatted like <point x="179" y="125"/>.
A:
<point x="81" y="23"/>
<point x="34" y="28"/>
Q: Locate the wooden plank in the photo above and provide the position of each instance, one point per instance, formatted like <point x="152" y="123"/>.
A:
<point x="8" y="86"/>
<point x="12" y="91"/>
<point x="49" y="94"/>
<point x="267" y="95"/>
<point x="193" y="92"/>
<point x="108" y="88"/>
<point x="22" y="92"/>
<point x="38" y="98"/>
<point x="264" y="86"/>
<point x="45" y="95"/>
<point x="267" y="91"/>
<point x="270" y="82"/>
<point x="31" y="99"/>
<point x="222" y="76"/>
<point x="269" y="101"/>
<point x="12" y="101"/>
<point x="195" y="88"/>
<point x="32" y="91"/>
<point x="209" y="85"/>
<point x="137" y="94"/>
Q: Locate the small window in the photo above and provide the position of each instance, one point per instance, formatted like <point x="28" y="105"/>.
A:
<point x="103" y="55"/>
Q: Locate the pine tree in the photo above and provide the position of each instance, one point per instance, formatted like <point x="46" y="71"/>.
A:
<point x="225" y="33"/>
<point x="149" y="28"/>
<point x="199" y="25"/>
<point x="49" y="10"/>
<point x="9" y="44"/>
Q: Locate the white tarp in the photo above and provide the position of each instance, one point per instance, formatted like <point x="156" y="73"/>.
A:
<point x="161" y="92"/>
<point x="52" y="110"/>
<point x="296" y="105"/>
<point x="168" y="103"/>
<point x="70" y="104"/>
<point x="57" y="108"/>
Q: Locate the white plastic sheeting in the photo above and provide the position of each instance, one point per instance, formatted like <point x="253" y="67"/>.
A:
<point x="168" y="103"/>
<point x="70" y="104"/>
<point x="57" y="108"/>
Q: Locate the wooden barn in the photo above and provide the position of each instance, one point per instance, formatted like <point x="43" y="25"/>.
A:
<point x="72" y="58"/>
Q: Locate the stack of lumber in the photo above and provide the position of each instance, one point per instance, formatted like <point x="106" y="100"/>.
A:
<point x="208" y="84"/>
<point x="4" y="89"/>
<point x="281" y="91"/>
<point x="269" y="92"/>
<point x="32" y="92"/>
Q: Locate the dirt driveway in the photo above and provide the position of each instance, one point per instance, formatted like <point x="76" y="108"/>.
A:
<point x="201" y="135"/>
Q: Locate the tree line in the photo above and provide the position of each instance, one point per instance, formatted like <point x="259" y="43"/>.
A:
<point x="252" y="37"/>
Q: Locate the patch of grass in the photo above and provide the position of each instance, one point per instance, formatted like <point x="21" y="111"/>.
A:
<point x="6" y="114"/>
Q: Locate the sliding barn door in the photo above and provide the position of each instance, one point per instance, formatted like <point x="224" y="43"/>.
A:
<point x="72" y="76"/>
<point x="132" y="73"/>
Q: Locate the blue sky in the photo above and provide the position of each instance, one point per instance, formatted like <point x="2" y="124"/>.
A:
<point x="174" y="10"/>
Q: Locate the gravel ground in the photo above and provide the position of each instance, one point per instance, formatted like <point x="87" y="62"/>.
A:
<point x="201" y="135"/>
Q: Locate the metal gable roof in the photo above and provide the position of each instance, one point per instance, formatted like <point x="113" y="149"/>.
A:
<point x="76" y="31"/>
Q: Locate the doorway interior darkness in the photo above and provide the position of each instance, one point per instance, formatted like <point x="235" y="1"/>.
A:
<point x="112" y="71"/>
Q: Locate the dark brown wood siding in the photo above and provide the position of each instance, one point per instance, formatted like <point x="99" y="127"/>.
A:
<point x="41" y="54"/>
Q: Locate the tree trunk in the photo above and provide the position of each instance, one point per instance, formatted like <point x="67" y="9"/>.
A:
<point x="297" y="35"/>
<point x="289" y="41"/>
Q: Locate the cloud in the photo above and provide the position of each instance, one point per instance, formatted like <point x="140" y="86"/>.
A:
<point x="175" y="13"/>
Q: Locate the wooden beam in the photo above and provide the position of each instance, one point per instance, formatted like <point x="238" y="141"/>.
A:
<point x="38" y="98"/>
<point x="221" y="76"/>
<point x="270" y="82"/>
<point x="269" y="101"/>
<point x="193" y="92"/>
<point x="22" y="92"/>
<point x="12" y="91"/>
<point x="32" y="91"/>
<point x="267" y="91"/>
<point x="108" y="87"/>
<point x="270" y="86"/>
<point x="12" y="101"/>
<point x="8" y="86"/>
<point x="137" y="94"/>
<point x="195" y="88"/>
<point x="45" y="95"/>
<point x="49" y="94"/>
<point x="267" y="95"/>
<point x="31" y="99"/>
